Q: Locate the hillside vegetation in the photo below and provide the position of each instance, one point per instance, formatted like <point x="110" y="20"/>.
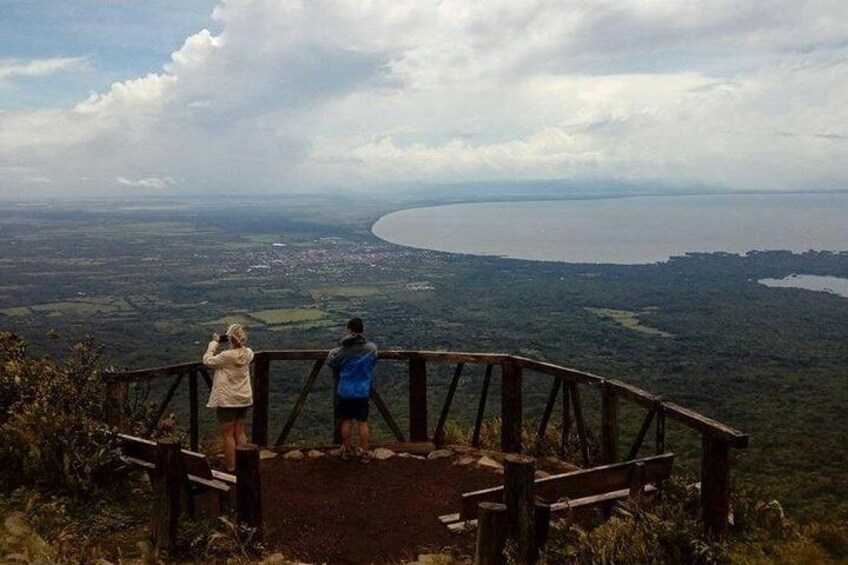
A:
<point x="62" y="502"/>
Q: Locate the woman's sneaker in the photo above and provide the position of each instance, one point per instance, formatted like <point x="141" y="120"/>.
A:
<point x="347" y="453"/>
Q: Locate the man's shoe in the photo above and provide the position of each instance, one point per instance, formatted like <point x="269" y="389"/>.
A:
<point x="363" y="455"/>
<point x="347" y="453"/>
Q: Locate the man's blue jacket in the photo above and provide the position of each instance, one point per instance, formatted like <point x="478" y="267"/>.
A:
<point x="354" y="359"/>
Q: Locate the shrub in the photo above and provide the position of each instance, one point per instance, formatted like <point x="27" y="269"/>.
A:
<point x="51" y="419"/>
<point x="490" y="438"/>
<point x="664" y="529"/>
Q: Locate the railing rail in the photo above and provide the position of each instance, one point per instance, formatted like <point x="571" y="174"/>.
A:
<point x="717" y="437"/>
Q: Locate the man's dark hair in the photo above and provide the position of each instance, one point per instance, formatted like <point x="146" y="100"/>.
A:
<point x="356" y="326"/>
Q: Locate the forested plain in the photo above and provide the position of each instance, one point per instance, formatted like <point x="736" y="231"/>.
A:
<point x="151" y="280"/>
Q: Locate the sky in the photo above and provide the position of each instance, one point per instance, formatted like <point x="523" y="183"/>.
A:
<point x="192" y="97"/>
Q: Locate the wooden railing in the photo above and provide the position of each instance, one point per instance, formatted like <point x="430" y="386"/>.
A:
<point x="716" y="437"/>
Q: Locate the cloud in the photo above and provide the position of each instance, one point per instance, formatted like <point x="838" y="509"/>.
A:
<point x="14" y="68"/>
<point x="149" y="182"/>
<point x="294" y="94"/>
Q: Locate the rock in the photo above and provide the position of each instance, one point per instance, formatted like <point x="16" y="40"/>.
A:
<point x="411" y="456"/>
<point x="489" y="463"/>
<point x="267" y="454"/>
<point x="464" y="461"/>
<point x="542" y="474"/>
<point x="335" y="452"/>
<point x="314" y="454"/>
<point x="294" y="454"/>
<point x="102" y="561"/>
<point x="381" y="454"/>
<point x="440" y="454"/>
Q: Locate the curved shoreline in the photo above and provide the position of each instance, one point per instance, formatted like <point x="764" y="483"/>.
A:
<point x="622" y="229"/>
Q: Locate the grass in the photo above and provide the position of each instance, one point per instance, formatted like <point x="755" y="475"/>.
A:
<point x="234" y="319"/>
<point x="629" y="320"/>
<point x="345" y="291"/>
<point x="74" y="307"/>
<point x="306" y="325"/>
<point x="288" y="315"/>
<point x="16" y="311"/>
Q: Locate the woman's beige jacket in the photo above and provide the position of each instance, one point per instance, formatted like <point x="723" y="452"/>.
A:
<point x="231" y="382"/>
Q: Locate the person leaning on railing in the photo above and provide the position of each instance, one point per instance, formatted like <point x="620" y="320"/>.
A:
<point x="231" y="395"/>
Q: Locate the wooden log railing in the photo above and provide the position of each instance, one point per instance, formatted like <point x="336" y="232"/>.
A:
<point x="716" y="438"/>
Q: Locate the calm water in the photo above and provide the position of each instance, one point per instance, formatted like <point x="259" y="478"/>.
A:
<point x="626" y="230"/>
<point x="834" y="285"/>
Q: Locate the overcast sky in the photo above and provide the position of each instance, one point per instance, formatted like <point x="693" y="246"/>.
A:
<point x="128" y="97"/>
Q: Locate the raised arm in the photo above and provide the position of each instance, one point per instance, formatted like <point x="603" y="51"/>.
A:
<point x="333" y="358"/>
<point x="210" y="359"/>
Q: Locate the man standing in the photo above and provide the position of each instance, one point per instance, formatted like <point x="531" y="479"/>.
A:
<point x="353" y="360"/>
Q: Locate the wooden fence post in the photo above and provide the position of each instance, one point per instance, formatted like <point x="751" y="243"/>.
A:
<point x="715" y="485"/>
<point x="194" y="413"/>
<point x="418" y="424"/>
<point x="481" y="407"/>
<point x="609" y="425"/>
<point x="491" y="534"/>
<point x="566" y="420"/>
<point x="660" y="428"/>
<point x="261" y="398"/>
<point x="167" y="484"/>
<point x="511" y="408"/>
<point x="249" y="488"/>
<point x="542" y="525"/>
<point x="116" y="400"/>
<point x="439" y="435"/>
<point x="519" y="477"/>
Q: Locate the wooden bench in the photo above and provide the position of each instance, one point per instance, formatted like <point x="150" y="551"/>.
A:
<point x="575" y="489"/>
<point x="199" y="476"/>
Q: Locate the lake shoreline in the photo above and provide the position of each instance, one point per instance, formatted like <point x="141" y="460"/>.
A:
<point x="624" y="230"/>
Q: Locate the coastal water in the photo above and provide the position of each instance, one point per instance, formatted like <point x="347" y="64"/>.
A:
<point x="633" y="230"/>
<point x="833" y="285"/>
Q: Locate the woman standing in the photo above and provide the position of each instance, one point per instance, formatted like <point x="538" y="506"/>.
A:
<point x="231" y="394"/>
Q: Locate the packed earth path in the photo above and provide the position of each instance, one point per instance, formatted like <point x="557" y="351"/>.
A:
<point x="319" y="508"/>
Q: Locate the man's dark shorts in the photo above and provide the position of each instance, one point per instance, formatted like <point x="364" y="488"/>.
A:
<point x="226" y="414"/>
<point x="352" y="409"/>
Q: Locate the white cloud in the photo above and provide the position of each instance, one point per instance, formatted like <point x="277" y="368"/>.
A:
<point x="149" y="182"/>
<point x="14" y="68"/>
<point x="293" y="94"/>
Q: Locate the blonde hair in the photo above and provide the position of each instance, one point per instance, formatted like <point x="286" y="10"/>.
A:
<point x="237" y="333"/>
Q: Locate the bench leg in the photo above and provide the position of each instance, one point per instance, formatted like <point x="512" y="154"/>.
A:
<point x="224" y="506"/>
<point x="191" y="509"/>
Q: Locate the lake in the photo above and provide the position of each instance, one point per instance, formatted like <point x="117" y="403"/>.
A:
<point x="632" y="230"/>
<point x="833" y="285"/>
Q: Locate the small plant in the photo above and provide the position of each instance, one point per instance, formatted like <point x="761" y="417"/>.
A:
<point x="223" y="539"/>
<point x="51" y="419"/>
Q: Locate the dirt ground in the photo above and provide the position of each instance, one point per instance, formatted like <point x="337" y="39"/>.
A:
<point x="327" y="510"/>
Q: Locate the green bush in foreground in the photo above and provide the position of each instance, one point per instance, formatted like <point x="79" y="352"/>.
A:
<point x="51" y="420"/>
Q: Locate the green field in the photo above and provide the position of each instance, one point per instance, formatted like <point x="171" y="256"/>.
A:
<point x="629" y="320"/>
<point x="288" y="315"/>
<point x="16" y="311"/>
<point x="345" y="291"/>
<point x="234" y="319"/>
<point x="74" y="307"/>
